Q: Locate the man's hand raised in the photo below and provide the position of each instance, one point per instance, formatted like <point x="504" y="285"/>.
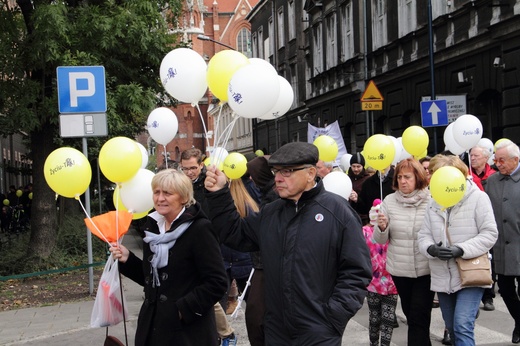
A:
<point x="215" y="179"/>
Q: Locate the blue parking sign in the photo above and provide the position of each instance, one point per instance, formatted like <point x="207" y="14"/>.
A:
<point x="434" y="113"/>
<point x="81" y="89"/>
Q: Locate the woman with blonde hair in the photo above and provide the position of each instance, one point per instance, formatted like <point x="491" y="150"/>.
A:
<point x="181" y="271"/>
<point x="238" y="264"/>
<point x="467" y="229"/>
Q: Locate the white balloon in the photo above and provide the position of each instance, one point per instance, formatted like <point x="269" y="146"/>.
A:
<point x="162" y="125"/>
<point x="183" y="75"/>
<point x="144" y="155"/>
<point x="404" y="153"/>
<point x="136" y="193"/>
<point x="488" y="144"/>
<point x="264" y="63"/>
<point x="218" y="156"/>
<point x="284" y="102"/>
<point x="398" y="146"/>
<point x="467" y="131"/>
<point x="450" y="142"/>
<point x="338" y="183"/>
<point x="253" y="90"/>
<point x="344" y="162"/>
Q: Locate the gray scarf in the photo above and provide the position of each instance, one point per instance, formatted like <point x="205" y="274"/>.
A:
<point x="160" y="244"/>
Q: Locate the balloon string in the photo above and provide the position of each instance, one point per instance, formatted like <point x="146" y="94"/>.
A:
<point x="216" y="132"/>
<point x="165" y="157"/>
<point x="381" y="184"/>
<point x="203" y="124"/>
<point x="92" y="222"/>
<point x="117" y="211"/>
<point x="469" y="163"/>
<point x="221" y="143"/>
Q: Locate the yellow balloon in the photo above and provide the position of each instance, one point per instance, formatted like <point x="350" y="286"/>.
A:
<point x="415" y="140"/>
<point x="379" y="152"/>
<point x="221" y="68"/>
<point x="19" y="193"/>
<point x="220" y="164"/>
<point x="235" y="165"/>
<point x="6" y="202"/>
<point x="119" y="159"/>
<point x="424" y="154"/>
<point x="30" y="195"/>
<point x="498" y="142"/>
<point x="327" y="148"/>
<point x="259" y="153"/>
<point x="67" y="172"/>
<point x="447" y="186"/>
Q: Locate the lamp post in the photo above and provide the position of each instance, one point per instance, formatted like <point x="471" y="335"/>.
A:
<point x="207" y="38"/>
<point x="432" y="66"/>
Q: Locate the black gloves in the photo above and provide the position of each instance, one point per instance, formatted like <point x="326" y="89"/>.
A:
<point x="444" y="253"/>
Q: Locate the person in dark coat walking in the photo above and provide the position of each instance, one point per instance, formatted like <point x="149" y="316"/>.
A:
<point x="316" y="262"/>
<point x="182" y="271"/>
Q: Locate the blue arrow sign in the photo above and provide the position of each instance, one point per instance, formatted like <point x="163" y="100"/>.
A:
<point x="434" y="113"/>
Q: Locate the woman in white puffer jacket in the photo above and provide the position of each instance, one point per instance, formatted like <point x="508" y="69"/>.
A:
<point x="472" y="231"/>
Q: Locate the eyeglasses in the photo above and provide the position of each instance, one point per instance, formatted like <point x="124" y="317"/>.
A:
<point x="286" y="172"/>
<point x="501" y="160"/>
<point x="187" y="169"/>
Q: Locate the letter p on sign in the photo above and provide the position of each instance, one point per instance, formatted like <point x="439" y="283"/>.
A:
<point x="74" y="79"/>
<point x="81" y="89"/>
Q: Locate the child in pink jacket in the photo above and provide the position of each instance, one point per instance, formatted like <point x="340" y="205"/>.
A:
<point x="382" y="294"/>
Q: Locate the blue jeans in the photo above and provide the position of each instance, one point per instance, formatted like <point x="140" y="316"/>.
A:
<point x="459" y="311"/>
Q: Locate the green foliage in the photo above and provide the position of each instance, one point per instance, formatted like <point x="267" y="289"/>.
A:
<point x="71" y="250"/>
<point x="129" y="38"/>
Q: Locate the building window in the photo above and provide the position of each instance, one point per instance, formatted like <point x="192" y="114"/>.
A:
<point x="317" y="49"/>
<point x="332" y="55"/>
<point x="347" y="32"/>
<point x="261" y="44"/>
<point x="291" y="16"/>
<point x="379" y="23"/>
<point x="281" y="28"/>
<point x="407" y="17"/>
<point x="254" y="44"/>
<point x="244" y="42"/>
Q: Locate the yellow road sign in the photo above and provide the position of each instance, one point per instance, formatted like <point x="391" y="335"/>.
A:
<point x="371" y="93"/>
<point x="371" y="105"/>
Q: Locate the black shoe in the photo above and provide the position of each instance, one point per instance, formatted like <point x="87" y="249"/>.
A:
<point x="516" y="335"/>
<point x="435" y="304"/>
<point x="446" y="340"/>
<point x="488" y="305"/>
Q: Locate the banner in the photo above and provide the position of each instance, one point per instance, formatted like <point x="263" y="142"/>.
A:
<point x="331" y="130"/>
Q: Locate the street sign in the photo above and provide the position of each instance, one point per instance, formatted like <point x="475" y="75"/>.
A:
<point x="434" y="113"/>
<point x="83" y="125"/>
<point x="81" y="89"/>
<point x="372" y="100"/>
<point x="456" y="105"/>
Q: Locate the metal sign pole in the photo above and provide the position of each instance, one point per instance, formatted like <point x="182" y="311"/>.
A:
<point x="89" y="235"/>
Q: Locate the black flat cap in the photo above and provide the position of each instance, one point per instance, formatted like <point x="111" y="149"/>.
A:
<point x="294" y="154"/>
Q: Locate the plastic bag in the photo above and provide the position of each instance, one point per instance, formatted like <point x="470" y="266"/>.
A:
<point x="108" y="306"/>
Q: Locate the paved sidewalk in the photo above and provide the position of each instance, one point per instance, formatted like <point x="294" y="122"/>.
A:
<point x="69" y="324"/>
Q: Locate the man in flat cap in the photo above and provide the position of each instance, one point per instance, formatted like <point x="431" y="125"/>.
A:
<point x="316" y="262"/>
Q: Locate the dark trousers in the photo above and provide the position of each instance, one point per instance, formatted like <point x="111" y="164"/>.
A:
<point x="489" y="293"/>
<point x="416" y="302"/>
<point x="255" y="310"/>
<point x="509" y="292"/>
